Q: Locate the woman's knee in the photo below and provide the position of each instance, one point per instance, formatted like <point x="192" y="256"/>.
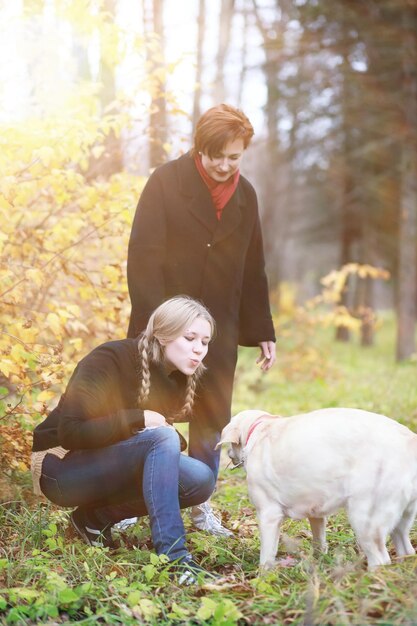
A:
<point x="166" y="437"/>
<point x="197" y="481"/>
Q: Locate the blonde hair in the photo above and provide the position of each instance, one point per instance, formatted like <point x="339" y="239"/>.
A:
<point x="166" y="323"/>
<point x="218" y="126"/>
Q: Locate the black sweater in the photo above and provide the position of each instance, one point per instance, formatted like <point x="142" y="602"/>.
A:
<point x="100" y="404"/>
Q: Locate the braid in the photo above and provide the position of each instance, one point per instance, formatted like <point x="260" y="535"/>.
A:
<point x="189" y="395"/>
<point x="143" y="347"/>
<point x="190" y="390"/>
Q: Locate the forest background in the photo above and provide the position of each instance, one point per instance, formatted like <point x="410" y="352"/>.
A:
<point x="95" y="94"/>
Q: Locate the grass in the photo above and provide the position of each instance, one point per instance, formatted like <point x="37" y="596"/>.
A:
<point x="49" y="577"/>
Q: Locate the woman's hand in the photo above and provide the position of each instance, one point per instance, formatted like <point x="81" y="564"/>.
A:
<point x="268" y="355"/>
<point x="154" y="419"/>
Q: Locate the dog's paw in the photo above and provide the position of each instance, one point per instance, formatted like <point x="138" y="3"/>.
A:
<point x="286" y="561"/>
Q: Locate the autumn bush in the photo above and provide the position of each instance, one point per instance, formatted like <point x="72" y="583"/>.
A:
<point x="63" y="245"/>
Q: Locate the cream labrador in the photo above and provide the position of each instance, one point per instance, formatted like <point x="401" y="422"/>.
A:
<point x="312" y="464"/>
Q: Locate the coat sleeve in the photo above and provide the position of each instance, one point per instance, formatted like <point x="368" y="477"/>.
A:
<point x="255" y="320"/>
<point x="89" y="417"/>
<point x="146" y="255"/>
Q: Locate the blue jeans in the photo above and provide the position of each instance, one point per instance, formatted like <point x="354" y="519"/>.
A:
<point x="143" y="475"/>
<point x="202" y="445"/>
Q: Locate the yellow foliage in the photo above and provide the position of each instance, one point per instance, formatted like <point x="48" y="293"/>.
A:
<point x="45" y="396"/>
<point x="45" y="154"/>
<point x="334" y="286"/>
<point x="63" y="253"/>
<point x="15" y="447"/>
<point x="53" y="323"/>
<point x="326" y="308"/>
<point x="34" y="276"/>
<point x="63" y="240"/>
<point x="7" y="367"/>
<point x="335" y="282"/>
<point x="62" y="290"/>
<point x="285" y="298"/>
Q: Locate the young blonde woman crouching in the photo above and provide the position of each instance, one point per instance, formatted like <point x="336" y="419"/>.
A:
<point x="109" y="448"/>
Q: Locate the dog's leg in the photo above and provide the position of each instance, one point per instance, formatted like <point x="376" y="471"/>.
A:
<point x="370" y="535"/>
<point x="400" y="534"/>
<point x="318" y="529"/>
<point x="372" y="541"/>
<point x="375" y="550"/>
<point x="270" y="519"/>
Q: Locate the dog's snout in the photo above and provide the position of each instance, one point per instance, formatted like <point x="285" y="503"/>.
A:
<point x="234" y="454"/>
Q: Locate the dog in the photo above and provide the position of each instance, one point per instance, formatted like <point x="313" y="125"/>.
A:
<point x="312" y="464"/>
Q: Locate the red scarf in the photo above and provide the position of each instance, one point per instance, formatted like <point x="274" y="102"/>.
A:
<point x="220" y="192"/>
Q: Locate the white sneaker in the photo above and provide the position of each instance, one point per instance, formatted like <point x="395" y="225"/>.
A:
<point x="203" y="518"/>
<point x="125" y="523"/>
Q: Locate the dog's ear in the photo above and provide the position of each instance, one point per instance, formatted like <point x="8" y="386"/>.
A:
<point x="230" y="434"/>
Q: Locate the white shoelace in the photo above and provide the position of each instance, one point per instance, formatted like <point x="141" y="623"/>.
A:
<point x="126" y="523"/>
<point x="205" y="519"/>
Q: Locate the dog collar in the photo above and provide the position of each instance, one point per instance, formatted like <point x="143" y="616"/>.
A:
<point x="252" y="428"/>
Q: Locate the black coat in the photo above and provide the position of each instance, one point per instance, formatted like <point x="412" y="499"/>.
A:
<point x="177" y="246"/>
<point x="100" y="404"/>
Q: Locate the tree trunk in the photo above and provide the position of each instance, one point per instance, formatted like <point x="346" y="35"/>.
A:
<point x="407" y="294"/>
<point x="348" y="218"/>
<point x="154" y="36"/>
<point x="275" y="210"/>
<point x="225" y="24"/>
<point x="199" y="62"/>
<point x="244" y="57"/>
<point x="111" y="160"/>
<point x="365" y="305"/>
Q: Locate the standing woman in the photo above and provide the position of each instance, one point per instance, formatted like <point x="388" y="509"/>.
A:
<point x="197" y="231"/>
<point x="109" y="448"/>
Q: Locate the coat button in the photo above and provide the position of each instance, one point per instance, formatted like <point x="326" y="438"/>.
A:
<point x="209" y="245"/>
